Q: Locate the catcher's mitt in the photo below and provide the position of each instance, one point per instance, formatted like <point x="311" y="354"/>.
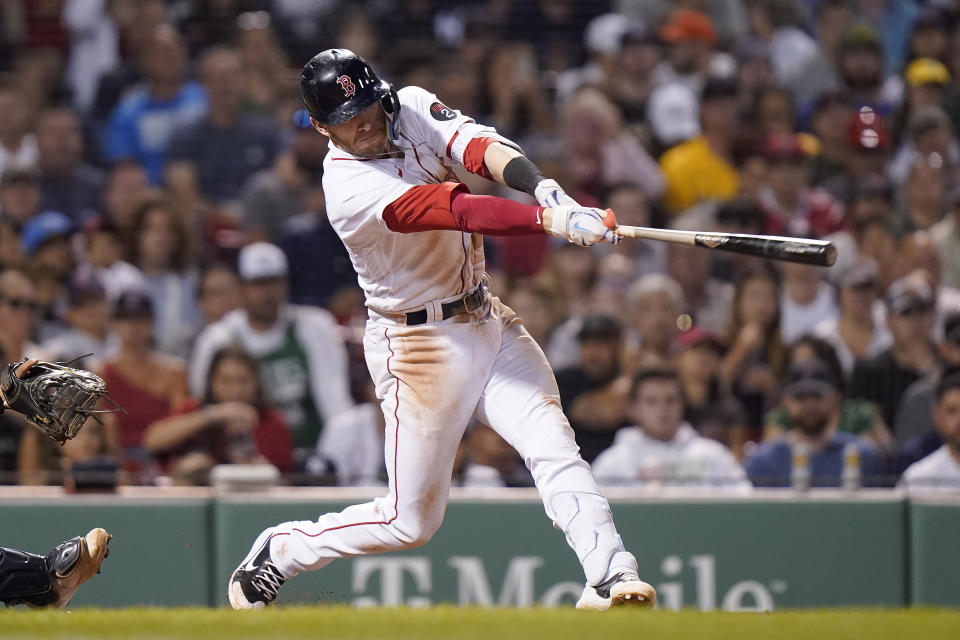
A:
<point x="56" y="398"/>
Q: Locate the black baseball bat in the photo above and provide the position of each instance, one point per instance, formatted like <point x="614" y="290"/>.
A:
<point x="816" y="252"/>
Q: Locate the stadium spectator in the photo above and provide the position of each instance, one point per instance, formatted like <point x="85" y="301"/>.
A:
<point x="290" y="187"/>
<point x="350" y="447"/>
<point x="146" y="382"/>
<point x="19" y="201"/>
<point x="868" y="147"/>
<point x="709" y="406"/>
<point x="855" y="416"/>
<point x="102" y="253"/>
<point x="93" y="48"/>
<point x="601" y="152"/>
<point x="691" y="55"/>
<point x="135" y="23"/>
<point x="208" y="159"/>
<point x="593" y="392"/>
<point x="144" y="121"/>
<point x="661" y="449"/>
<point x="883" y="378"/>
<point x="917" y="255"/>
<point x="302" y="362"/>
<point x="705" y="298"/>
<point x="811" y="402"/>
<point x="700" y="169"/>
<point x="829" y="122"/>
<point x="860" y="330"/>
<point x="862" y="72"/>
<point x="127" y="187"/>
<point x="819" y="74"/>
<point x="87" y="317"/>
<point x="778" y="23"/>
<point x="629" y="78"/>
<point x="218" y="293"/>
<point x="756" y="352"/>
<point x="162" y="249"/>
<point x="792" y="207"/>
<point x="18" y="147"/>
<point x="633" y="208"/>
<point x="654" y="302"/>
<point x="941" y="469"/>
<point x="68" y="184"/>
<point x="806" y="300"/>
<point x="18" y="309"/>
<point x="264" y="63"/>
<point x="914" y="416"/>
<point x="229" y="424"/>
<point x="924" y="197"/>
<point x="928" y="132"/>
<point x="946" y="236"/>
<point x="320" y="266"/>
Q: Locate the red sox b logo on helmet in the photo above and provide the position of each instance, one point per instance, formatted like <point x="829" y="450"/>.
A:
<point x="347" y="85"/>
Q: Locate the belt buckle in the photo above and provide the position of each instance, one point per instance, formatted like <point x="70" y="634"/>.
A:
<point x="474" y="300"/>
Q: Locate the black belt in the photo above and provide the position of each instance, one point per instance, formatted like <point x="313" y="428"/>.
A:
<point x="467" y="304"/>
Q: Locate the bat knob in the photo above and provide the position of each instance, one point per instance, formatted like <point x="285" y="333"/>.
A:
<point x="830" y="255"/>
<point x="610" y="220"/>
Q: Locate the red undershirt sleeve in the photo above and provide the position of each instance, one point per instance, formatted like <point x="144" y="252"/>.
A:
<point x="473" y="157"/>
<point x="448" y="206"/>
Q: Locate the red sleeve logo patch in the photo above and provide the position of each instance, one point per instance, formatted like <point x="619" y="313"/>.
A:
<point x="347" y="85"/>
<point x="441" y="112"/>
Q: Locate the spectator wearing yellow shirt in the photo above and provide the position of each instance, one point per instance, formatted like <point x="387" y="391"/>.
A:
<point x="700" y="168"/>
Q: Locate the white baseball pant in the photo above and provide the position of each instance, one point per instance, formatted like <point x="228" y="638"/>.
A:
<point x="430" y="380"/>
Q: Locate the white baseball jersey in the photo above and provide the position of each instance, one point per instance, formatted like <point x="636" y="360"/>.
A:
<point x="404" y="271"/>
<point x="433" y="378"/>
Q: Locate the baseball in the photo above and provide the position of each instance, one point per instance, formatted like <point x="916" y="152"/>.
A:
<point x="684" y="321"/>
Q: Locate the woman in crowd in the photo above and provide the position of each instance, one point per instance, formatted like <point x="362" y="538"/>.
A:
<point x="756" y="354"/>
<point x="146" y="382"/>
<point x="230" y="424"/>
<point x="161" y="249"/>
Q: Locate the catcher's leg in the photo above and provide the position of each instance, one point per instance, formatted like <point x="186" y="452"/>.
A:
<point x="51" y="580"/>
<point x="428" y="380"/>
<point x="522" y="403"/>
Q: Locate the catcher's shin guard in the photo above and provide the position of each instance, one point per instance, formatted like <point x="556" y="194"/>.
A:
<point x="52" y="580"/>
<point x="25" y="578"/>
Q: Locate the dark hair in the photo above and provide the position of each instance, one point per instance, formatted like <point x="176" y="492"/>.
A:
<point x="213" y="267"/>
<point x="825" y="352"/>
<point x="949" y="380"/>
<point x="180" y="258"/>
<point x="237" y="354"/>
<point x="656" y="373"/>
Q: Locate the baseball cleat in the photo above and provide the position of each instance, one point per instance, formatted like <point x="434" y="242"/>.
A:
<point x="256" y="582"/>
<point x="75" y="561"/>
<point x="621" y="589"/>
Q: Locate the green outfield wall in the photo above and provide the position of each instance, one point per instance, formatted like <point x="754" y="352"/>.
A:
<point x="758" y="553"/>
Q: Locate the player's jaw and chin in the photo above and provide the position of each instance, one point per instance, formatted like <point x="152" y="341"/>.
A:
<point x="363" y="141"/>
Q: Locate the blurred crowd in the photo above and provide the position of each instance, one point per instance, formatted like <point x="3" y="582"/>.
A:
<point x="161" y="208"/>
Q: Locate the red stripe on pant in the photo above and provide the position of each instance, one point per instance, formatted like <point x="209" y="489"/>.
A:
<point x="396" y="447"/>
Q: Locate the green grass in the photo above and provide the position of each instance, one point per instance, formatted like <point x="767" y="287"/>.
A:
<point x="343" y="623"/>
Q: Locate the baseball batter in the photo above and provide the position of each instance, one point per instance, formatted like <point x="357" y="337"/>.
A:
<point x="439" y="346"/>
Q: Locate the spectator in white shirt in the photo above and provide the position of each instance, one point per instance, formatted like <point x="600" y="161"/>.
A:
<point x="663" y="450"/>
<point x="805" y="300"/>
<point x="941" y="469"/>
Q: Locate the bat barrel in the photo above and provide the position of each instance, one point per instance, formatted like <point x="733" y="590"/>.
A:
<point x="815" y="252"/>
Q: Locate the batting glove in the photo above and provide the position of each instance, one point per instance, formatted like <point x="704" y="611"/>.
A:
<point x="549" y="194"/>
<point x="584" y="226"/>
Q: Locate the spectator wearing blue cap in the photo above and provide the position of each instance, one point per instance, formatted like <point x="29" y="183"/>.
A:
<point x="45" y="240"/>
